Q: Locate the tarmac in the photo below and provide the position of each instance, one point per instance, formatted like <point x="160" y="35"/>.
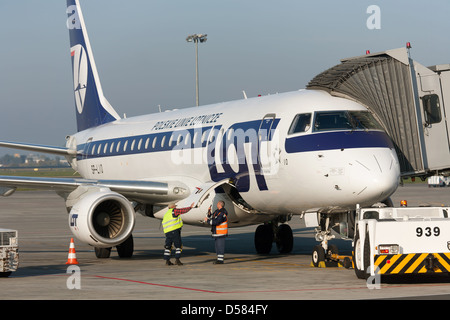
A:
<point x="246" y="278"/>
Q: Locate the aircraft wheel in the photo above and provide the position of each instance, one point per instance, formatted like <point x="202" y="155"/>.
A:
<point x="285" y="239"/>
<point x="264" y="238"/>
<point x="102" y="253"/>
<point x="126" y="248"/>
<point x="318" y="255"/>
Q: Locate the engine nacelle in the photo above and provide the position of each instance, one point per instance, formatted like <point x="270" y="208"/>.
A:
<point x="102" y="219"/>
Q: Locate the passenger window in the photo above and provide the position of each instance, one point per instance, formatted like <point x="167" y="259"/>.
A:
<point x="432" y="109"/>
<point x="301" y="123"/>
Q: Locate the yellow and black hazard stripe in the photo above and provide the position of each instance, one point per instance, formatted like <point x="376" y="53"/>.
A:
<point x="413" y="263"/>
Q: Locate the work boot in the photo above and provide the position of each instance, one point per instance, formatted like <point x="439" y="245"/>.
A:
<point x="178" y="262"/>
<point x="169" y="263"/>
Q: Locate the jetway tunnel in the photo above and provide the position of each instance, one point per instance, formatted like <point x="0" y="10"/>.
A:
<point x="406" y="97"/>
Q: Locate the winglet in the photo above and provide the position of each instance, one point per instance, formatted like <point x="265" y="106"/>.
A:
<point x="92" y="108"/>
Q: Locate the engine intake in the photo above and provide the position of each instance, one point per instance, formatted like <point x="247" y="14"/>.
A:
<point x="102" y="219"/>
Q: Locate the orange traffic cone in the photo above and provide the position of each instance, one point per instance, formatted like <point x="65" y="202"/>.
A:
<point x="72" y="259"/>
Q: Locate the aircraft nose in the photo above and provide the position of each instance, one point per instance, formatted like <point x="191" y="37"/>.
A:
<point x="375" y="175"/>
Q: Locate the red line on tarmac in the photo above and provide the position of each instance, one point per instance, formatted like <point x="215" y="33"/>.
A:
<point x="209" y="291"/>
<point x="158" y="284"/>
<point x="262" y="291"/>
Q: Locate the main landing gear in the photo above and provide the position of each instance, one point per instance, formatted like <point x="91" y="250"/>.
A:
<point x="124" y="250"/>
<point x="271" y="232"/>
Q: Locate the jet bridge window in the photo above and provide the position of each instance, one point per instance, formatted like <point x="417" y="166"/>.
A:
<point x="301" y="123"/>
<point x="432" y="109"/>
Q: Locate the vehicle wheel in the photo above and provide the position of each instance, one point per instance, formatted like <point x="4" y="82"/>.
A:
<point x="347" y="263"/>
<point x="126" y="248"/>
<point x="361" y="263"/>
<point x="285" y="239"/>
<point x="102" y="253"/>
<point x="263" y="239"/>
<point x="318" y="255"/>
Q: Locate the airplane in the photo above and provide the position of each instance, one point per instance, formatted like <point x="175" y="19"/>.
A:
<point x="269" y="158"/>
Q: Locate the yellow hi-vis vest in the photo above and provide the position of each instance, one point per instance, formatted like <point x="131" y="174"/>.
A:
<point x="170" y="223"/>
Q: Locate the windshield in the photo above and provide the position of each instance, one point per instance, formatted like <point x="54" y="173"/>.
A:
<point x="345" y="120"/>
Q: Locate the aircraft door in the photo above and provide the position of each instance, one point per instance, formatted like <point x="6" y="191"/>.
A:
<point x="267" y="145"/>
<point x="86" y="150"/>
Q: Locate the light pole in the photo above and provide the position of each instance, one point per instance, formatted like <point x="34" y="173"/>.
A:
<point x="196" y="38"/>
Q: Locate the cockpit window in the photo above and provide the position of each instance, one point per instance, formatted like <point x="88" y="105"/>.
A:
<point x="301" y="123"/>
<point x="345" y="120"/>
<point x="365" y="120"/>
<point x="333" y="120"/>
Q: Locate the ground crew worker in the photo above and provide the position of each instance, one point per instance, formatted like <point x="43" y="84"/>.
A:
<point x="172" y="224"/>
<point x="219" y="229"/>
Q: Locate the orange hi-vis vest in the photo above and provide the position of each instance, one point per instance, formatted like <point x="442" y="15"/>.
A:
<point x="222" y="229"/>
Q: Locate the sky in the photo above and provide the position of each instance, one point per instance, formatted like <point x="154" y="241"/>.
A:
<point x="144" y="61"/>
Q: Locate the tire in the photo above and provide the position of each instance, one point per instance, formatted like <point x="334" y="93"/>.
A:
<point x="102" y="253"/>
<point x="318" y="255"/>
<point x="285" y="239"/>
<point x="361" y="263"/>
<point x="263" y="239"/>
<point x="126" y="248"/>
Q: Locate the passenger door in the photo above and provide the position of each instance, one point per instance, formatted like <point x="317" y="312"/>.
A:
<point x="268" y="147"/>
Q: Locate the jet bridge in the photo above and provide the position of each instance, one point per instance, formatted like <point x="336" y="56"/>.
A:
<point x="406" y="97"/>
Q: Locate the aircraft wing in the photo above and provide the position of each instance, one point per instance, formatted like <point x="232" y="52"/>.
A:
<point x="149" y="192"/>
<point x="62" y="151"/>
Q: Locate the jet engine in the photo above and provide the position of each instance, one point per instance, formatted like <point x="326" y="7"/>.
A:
<point x="102" y="219"/>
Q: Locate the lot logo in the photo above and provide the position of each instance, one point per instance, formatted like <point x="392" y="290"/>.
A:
<point x="73" y="220"/>
<point x="244" y="149"/>
<point x="80" y="75"/>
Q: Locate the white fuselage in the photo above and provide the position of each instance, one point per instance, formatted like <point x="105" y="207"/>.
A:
<point x="249" y="141"/>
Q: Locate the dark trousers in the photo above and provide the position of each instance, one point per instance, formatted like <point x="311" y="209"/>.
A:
<point x="220" y="247"/>
<point x="173" y="237"/>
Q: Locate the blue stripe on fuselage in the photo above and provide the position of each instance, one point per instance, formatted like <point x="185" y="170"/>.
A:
<point x="167" y="141"/>
<point x="338" y="140"/>
<point x="141" y="144"/>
